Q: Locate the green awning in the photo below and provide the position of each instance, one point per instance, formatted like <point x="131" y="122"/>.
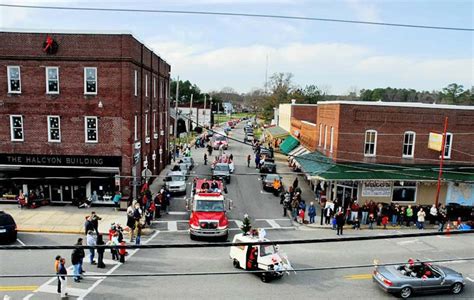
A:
<point x="322" y="167"/>
<point x="289" y="144"/>
<point x="277" y="132"/>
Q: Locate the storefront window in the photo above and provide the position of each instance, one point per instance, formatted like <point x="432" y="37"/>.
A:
<point x="404" y="191"/>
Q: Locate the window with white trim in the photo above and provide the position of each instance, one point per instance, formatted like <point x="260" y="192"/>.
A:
<point x="162" y="90"/>
<point x="52" y="80"/>
<point x="54" y="129"/>
<point x="370" y="148"/>
<point x="448" y="144"/>
<point x="167" y="90"/>
<point x="325" y="136"/>
<point x="14" y="79"/>
<point x="90" y="81"/>
<point x="135" y="129"/>
<point x="91" y="129"/>
<point x="320" y="134"/>
<point x="135" y="80"/>
<point x="146" y="124"/>
<point x="154" y="87"/>
<point x="16" y="128"/>
<point x="154" y="122"/>
<point x="409" y="144"/>
<point x="146" y="85"/>
<point x="332" y="140"/>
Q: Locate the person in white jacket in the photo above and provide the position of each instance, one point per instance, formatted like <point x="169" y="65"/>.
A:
<point x="91" y="241"/>
<point x="421" y="218"/>
<point x="434" y="214"/>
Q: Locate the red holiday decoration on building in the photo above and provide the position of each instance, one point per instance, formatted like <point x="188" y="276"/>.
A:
<point x="50" y="46"/>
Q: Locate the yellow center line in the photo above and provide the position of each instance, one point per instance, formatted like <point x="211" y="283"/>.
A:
<point x="358" y="276"/>
<point x="12" y="288"/>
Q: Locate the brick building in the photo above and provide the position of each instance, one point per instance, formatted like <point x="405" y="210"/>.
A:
<point x="77" y="110"/>
<point x="379" y="151"/>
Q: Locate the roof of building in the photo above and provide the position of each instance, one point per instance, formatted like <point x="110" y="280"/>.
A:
<point x="399" y="104"/>
<point x="277" y="132"/>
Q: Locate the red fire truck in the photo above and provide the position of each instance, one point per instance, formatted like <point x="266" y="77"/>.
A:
<point x="208" y="210"/>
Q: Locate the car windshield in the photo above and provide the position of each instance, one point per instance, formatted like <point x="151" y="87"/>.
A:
<point x="209" y="205"/>
<point x="220" y="138"/>
<point x="267" y="250"/>
<point x="269" y="165"/>
<point x="177" y="178"/>
<point x="221" y="168"/>
<point x="272" y="177"/>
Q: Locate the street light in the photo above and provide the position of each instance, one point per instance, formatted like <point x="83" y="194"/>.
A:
<point x="210" y="106"/>
<point x="190" y="121"/>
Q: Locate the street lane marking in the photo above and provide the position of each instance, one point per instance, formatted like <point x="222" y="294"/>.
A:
<point x="273" y="224"/>
<point x="19" y="241"/>
<point x="239" y="223"/>
<point x="52" y="289"/>
<point x="470" y="279"/>
<point x="13" y="288"/>
<point x="358" y="277"/>
<point x="178" y="213"/>
<point x="28" y="296"/>
<point x="172" y="226"/>
<point x="407" y="242"/>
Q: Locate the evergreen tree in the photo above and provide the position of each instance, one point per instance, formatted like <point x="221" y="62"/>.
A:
<point x="246" y="226"/>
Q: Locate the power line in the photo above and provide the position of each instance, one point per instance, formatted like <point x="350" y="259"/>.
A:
<point x="229" y="244"/>
<point x="178" y="274"/>
<point x="231" y="14"/>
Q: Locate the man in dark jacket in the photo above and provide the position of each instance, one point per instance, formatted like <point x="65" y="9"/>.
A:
<point x="339" y="220"/>
<point x="95" y="222"/>
<point x="76" y="259"/>
<point x="88" y="225"/>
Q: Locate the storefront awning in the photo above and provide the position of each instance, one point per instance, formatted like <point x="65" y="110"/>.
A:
<point x="321" y="167"/>
<point x="277" y="132"/>
<point x="288" y="144"/>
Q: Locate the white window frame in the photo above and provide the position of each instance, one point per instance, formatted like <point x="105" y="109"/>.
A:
<point x="96" y="128"/>
<point x="325" y="136"/>
<point x="412" y="155"/>
<point x="449" y="147"/>
<point x="9" y="78"/>
<point x="12" y="135"/>
<point x="320" y="134"/>
<point x="146" y="124"/>
<point x="96" y="81"/>
<point x="49" y="129"/>
<point x="375" y="143"/>
<point x="146" y="85"/>
<point x="332" y="140"/>
<point x="154" y="87"/>
<point x="162" y="85"/>
<point x="135" y="130"/>
<point x="135" y="80"/>
<point x="47" y="80"/>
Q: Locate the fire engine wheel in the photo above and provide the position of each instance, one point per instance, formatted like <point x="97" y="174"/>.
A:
<point x="236" y="264"/>
<point x="225" y="237"/>
<point x="193" y="237"/>
<point x="263" y="277"/>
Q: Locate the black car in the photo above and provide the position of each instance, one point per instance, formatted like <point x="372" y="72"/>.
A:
<point x="267" y="182"/>
<point x="8" y="230"/>
<point x="266" y="152"/>
<point x="268" y="167"/>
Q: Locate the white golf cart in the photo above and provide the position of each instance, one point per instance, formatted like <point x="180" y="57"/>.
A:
<point x="266" y="258"/>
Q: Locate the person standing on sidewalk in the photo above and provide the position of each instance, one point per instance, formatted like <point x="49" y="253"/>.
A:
<point x="340" y="221"/>
<point x="248" y="160"/>
<point x="205" y="159"/>
<point x="365" y="213"/>
<point x="100" y="252"/>
<point x="442" y="221"/>
<point x="56" y="269"/>
<point x="138" y="233"/>
<point x="311" y="212"/>
<point x="409" y="215"/>
<point x="62" y="272"/>
<point x="421" y="219"/>
<point x="91" y="241"/>
<point x="88" y="225"/>
<point x="295" y="183"/>
<point x="76" y="259"/>
<point x="95" y="221"/>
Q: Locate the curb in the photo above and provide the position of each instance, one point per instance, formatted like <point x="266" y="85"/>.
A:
<point x="80" y="232"/>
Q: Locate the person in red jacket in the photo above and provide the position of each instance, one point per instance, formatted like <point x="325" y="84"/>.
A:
<point x="384" y="222"/>
<point x="122" y="252"/>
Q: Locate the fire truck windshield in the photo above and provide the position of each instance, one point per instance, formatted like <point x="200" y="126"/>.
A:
<point x="209" y="205"/>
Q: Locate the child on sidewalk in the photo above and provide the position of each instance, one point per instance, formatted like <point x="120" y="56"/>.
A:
<point x="138" y="233"/>
<point x="384" y="222"/>
<point x="122" y="252"/>
<point x="371" y="221"/>
<point x="356" y="225"/>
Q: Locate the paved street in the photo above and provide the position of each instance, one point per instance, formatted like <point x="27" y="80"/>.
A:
<point x="265" y="212"/>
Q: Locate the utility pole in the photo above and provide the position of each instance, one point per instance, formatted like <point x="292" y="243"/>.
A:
<point x="190" y="118"/>
<point x="176" y="118"/>
<point x="204" y="111"/>
<point x="211" y="123"/>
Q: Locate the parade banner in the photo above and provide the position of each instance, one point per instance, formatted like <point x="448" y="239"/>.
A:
<point x="376" y="189"/>
<point x="435" y="141"/>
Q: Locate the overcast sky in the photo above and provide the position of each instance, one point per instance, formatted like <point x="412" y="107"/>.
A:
<point x="221" y="51"/>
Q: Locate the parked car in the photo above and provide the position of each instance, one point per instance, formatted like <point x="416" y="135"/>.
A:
<point x="268" y="167"/>
<point x="8" y="230"/>
<point x="249" y="137"/>
<point x="417" y="277"/>
<point x="267" y="182"/>
<point x="266" y="152"/>
<point x="189" y="161"/>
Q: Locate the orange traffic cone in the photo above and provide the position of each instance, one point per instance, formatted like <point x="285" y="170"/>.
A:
<point x="448" y="229"/>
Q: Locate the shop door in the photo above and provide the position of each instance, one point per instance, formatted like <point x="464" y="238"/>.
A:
<point x="66" y="191"/>
<point x="56" y="193"/>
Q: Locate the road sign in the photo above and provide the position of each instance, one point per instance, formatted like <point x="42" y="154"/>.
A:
<point x="147" y="174"/>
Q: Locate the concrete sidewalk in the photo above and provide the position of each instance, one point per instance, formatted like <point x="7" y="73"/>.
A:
<point x="62" y="219"/>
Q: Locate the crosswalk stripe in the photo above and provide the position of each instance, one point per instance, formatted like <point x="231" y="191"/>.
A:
<point x="172" y="226"/>
<point x="239" y="223"/>
<point x="52" y="289"/>
<point x="273" y="223"/>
